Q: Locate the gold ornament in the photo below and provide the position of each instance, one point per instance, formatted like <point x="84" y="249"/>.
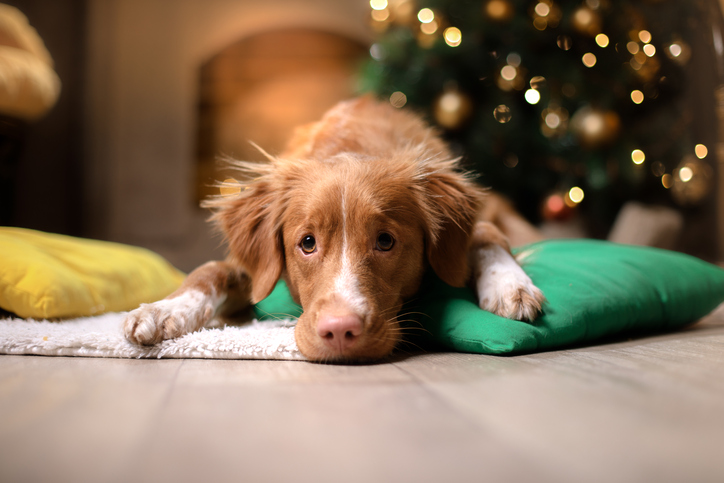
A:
<point x="555" y="207"/>
<point x="499" y="10"/>
<point x="452" y="108"/>
<point x="692" y="181"/>
<point x="587" y="21"/>
<point x="595" y="128"/>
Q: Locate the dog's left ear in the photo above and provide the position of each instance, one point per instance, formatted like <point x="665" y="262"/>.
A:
<point x="451" y="210"/>
<point x="250" y="224"/>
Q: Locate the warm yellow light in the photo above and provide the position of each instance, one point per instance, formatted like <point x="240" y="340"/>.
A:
<point x="637" y="156"/>
<point x="532" y="96"/>
<point x="540" y="23"/>
<point x="645" y="36"/>
<point x="701" y="151"/>
<point x="576" y="194"/>
<point x="453" y="36"/>
<point x="637" y="97"/>
<point x="632" y="47"/>
<point x="381" y="15"/>
<point x="425" y="15"/>
<point x="675" y="50"/>
<point x="230" y="187"/>
<point x="429" y="28"/>
<point x="542" y="9"/>
<point x="667" y="181"/>
<point x="649" y="50"/>
<point x="378" y="4"/>
<point x="398" y="99"/>
<point x="508" y="72"/>
<point x="685" y="174"/>
<point x="513" y="59"/>
<point x="552" y="120"/>
<point x="602" y="40"/>
<point x="589" y="60"/>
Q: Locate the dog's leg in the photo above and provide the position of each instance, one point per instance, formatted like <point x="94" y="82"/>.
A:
<point x="204" y="294"/>
<point x="501" y="284"/>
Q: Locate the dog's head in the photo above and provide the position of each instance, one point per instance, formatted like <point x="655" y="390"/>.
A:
<point x="352" y="236"/>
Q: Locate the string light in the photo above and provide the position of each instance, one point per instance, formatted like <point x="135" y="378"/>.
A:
<point x="632" y="47"/>
<point x="637" y="97"/>
<point x="576" y="194"/>
<point x="532" y="96"/>
<point x="685" y="174"/>
<point x="667" y="181"/>
<point x="425" y="15"/>
<point x="429" y="28"/>
<point x="649" y="50"/>
<point x="378" y="4"/>
<point x="508" y="72"/>
<point x="602" y="40"/>
<point x="637" y="156"/>
<point x="542" y="9"/>
<point x="380" y="15"/>
<point x="701" y="151"/>
<point x="589" y="60"/>
<point x="675" y="50"/>
<point x="645" y="36"/>
<point x="453" y="36"/>
<point x="552" y="120"/>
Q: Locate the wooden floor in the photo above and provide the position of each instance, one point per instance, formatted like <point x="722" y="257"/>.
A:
<point x="644" y="410"/>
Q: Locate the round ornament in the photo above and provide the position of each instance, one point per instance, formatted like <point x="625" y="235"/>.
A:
<point x="693" y="180"/>
<point x="555" y="207"/>
<point x="595" y="127"/>
<point x="452" y="108"/>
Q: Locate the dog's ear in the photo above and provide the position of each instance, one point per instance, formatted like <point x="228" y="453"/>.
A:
<point x="452" y="206"/>
<point x="250" y="222"/>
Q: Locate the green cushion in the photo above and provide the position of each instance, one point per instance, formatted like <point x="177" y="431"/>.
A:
<point x="594" y="289"/>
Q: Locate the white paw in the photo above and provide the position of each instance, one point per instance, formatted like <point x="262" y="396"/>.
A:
<point x="503" y="287"/>
<point x="166" y="319"/>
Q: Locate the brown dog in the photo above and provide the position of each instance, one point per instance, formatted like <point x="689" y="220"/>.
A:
<point x="351" y="215"/>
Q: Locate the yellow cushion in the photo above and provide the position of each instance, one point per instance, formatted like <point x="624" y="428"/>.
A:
<point x="44" y="275"/>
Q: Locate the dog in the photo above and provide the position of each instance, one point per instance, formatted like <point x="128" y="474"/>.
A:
<point x="351" y="215"/>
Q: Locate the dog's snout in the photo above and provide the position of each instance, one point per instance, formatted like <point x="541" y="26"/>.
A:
<point x="340" y="331"/>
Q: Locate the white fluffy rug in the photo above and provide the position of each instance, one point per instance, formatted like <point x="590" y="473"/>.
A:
<point x="102" y="337"/>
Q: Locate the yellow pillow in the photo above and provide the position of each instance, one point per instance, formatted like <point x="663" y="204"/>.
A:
<point x="44" y="275"/>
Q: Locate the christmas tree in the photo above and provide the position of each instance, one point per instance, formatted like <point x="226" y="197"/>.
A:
<point x="562" y="106"/>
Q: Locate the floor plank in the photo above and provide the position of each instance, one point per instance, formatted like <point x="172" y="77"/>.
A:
<point x="647" y="409"/>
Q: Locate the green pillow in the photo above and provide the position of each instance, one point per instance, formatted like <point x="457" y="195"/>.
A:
<point x="594" y="289"/>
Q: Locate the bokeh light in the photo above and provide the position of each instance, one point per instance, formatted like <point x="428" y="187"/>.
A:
<point x="453" y="36"/>
<point x="637" y="156"/>
<point x="701" y="151"/>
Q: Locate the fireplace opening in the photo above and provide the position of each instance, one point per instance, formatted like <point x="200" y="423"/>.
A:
<point x="260" y="88"/>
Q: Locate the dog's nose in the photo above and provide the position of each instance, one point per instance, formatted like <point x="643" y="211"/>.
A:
<point x="339" y="332"/>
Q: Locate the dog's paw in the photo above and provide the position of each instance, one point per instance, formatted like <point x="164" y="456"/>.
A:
<point x="504" y="288"/>
<point x="166" y="319"/>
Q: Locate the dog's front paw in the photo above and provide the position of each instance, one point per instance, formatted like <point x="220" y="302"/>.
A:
<point x="505" y="289"/>
<point x="166" y="319"/>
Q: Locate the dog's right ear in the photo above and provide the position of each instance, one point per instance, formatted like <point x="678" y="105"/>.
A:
<point x="250" y="223"/>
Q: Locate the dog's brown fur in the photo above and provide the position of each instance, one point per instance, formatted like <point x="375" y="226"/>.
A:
<point x="364" y="170"/>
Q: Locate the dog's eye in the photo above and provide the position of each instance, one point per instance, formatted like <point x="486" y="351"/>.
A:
<point x="308" y="244"/>
<point x="385" y="242"/>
